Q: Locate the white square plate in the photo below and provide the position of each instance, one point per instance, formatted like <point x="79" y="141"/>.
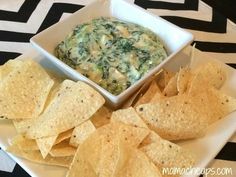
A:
<point x="205" y="148"/>
<point x="174" y="38"/>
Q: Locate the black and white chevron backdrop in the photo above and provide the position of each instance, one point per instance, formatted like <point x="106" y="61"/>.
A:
<point x="214" y="34"/>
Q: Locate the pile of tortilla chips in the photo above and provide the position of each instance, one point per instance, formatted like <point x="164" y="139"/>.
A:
<point x="125" y="147"/>
<point x="45" y="111"/>
<point x="65" y="123"/>
<point x="182" y="105"/>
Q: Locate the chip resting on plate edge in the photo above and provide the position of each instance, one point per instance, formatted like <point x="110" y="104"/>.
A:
<point x="24" y="88"/>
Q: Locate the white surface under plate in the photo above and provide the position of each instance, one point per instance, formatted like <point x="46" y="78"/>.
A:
<point x="205" y="148"/>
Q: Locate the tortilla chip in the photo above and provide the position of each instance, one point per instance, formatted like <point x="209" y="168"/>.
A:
<point x="171" y="87"/>
<point x="163" y="79"/>
<point x="103" y="152"/>
<point x="217" y="104"/>
<point x="63" y="136"/>
<point x="152" y="137"/>
<point x="24" y="144"/>
<point x="148" y="95"/>
<point x="80" y="164"/>
<point x="81" y="133"/>
<point x="101" y="117"/>
<point x="45" y="144"/>
<point x="8" y="67"/>
<point x="212" y="73"/>
<point x="112" y="150"/>
<point x="62" y="149"/>
<point x="165" y="154"/>
<point x="174" y="118"/>
<point x="74" y="103"/>
<point x="35" y="156"/>
<point x="132" y="101"/>
<point x="157" y="96"/>
<point x="183" y="78"/>
<point x="100" y="153"/>
<point x="138" y="165"/>
<point x="22" y="125"/>
<point x="58" y="79"/>
<point x="129" y="134"/>
<point x="210" y="101"/>
<point x="109" y="157"/>
<point x="128" y="116"/>
<point x="24" y="90"/>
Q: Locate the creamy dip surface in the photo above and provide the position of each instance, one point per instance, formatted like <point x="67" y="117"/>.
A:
<point x="113" y="53"/>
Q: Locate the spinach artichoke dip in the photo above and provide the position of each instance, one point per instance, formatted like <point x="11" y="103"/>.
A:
<point x="113" y="53"/>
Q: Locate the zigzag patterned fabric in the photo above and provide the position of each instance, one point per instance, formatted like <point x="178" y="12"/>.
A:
<point x="214" y="34"/>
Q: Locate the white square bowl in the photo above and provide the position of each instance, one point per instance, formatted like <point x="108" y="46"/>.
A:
<point x="173" y="38"/>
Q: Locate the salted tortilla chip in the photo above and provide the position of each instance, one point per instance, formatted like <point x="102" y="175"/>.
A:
<point x="22" y="125"/>
<point x="35" y="156"/>
<point x="138" y="165"/>
<point x="128" y="116"/>
<point x="222" y="104"/>
<point x="81" y="133"/>
<point x="167" y="154"/>
<point x="148" y="95"/>
<point x="213" y="73"/>
<point x="103" y="151"/>
<point x="74" y="103"/>
<point x="183" y="78"/>
<point x="8" y="67"/>
<point x="45" y="144"/>
<point x="23" y="143"/>
<point x="80" y="164"/>
<point x="101" y="117"/>
<point x="174" y="118"/>
<point x="62" y="149"/>
<point x="100" y="154"/>
<point x="114" y="133"/>
<point x="110" y="157"/>
<point x="210" y="101"/>
<point x="214" y="104"/>
<point x="63" y="136"/>
<point x="129" y="134"/>
<point x="171" y="87"/>
<point x="23" y="92"/>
